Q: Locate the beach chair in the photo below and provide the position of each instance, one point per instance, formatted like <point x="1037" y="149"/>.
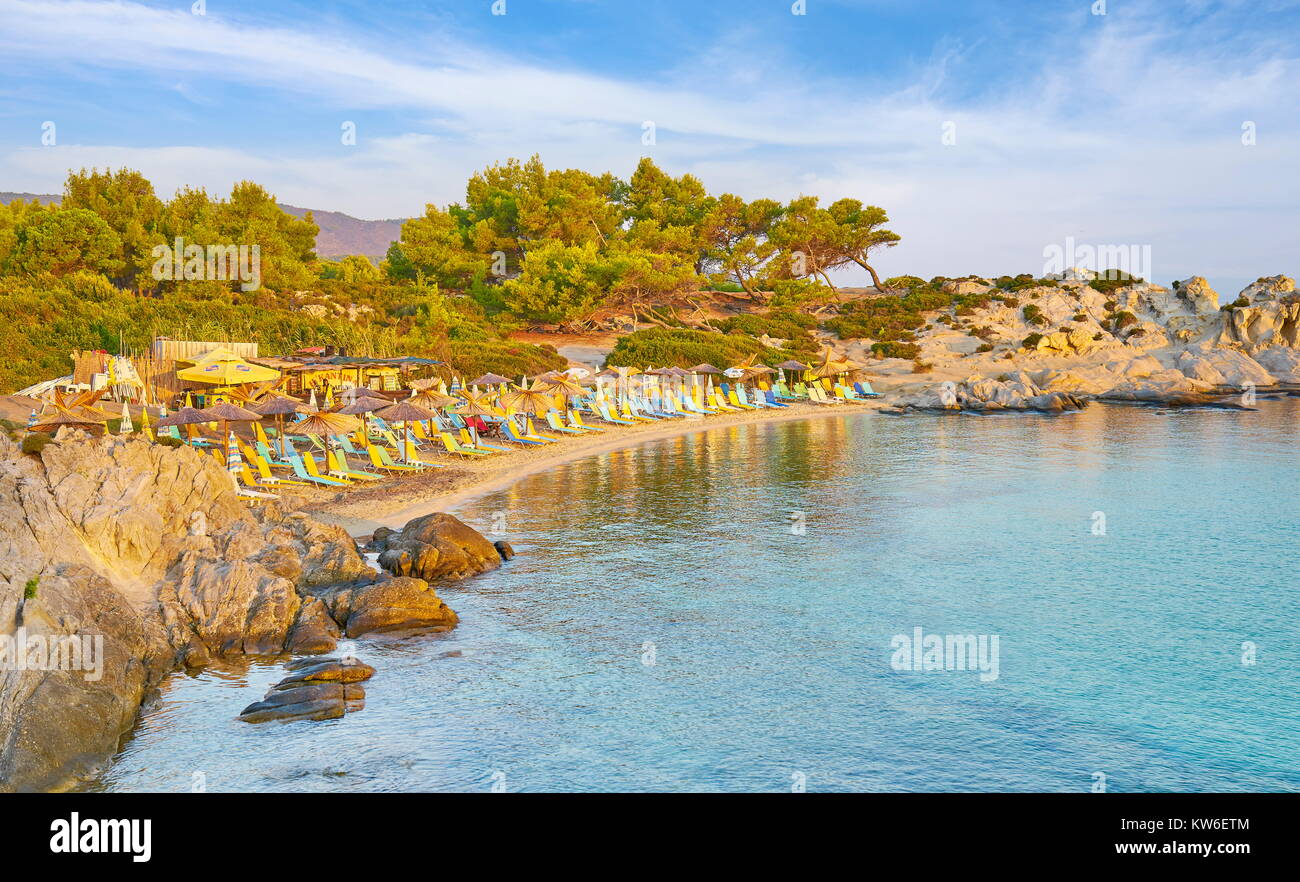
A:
<point x="313" y="468"/>
<point x="265" y="475"/>
<point x="533" y="433"/>
<point x="300" y="469"/>
<point x="575" y="421"/>
<point x="602" y="410"/>
<point x="734" y="400"/>
<point x="467" y="440"/>
<point x="772" y="401"/>
<point x="553" y="420"/>
<point x="194" y="437"/>
<point x="250" y="481"/>
<point x="453" y="446"/>
<point x="339" y="468"/>
<point x="865" y="390"/>
<point x="386" y="456"/>
<point x="380" y="459"/>
<point x="508" y="428"/>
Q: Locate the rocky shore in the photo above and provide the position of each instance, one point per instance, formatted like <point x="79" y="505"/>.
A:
<point x="1054" y="347"/>
<point x="121" y="561"/>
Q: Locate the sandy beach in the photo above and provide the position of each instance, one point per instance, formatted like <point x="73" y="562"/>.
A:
<point x="396" y="500"/>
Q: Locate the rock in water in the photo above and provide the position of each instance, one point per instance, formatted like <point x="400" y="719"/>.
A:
<point x="398" y="603"/>
<point x="317" y="689"/>
<point x="504" y="548"/>
<point x="437" y="547"/>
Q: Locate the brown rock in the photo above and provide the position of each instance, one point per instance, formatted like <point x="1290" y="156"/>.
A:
<point x="437" y="547"/>
<point x="399" y="603"/>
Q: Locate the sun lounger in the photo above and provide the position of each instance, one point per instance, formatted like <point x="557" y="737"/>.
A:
<point x="467" y="440"/>
<point x="602" y="411"/>
<point x="453" y="446"/>
<point x="575" y="421"/>
<point x="339" y="468"/>
<point x="553" y="420"/>
<point x="508" y="427"/>
<point x="300" y="469"/>
<point x="380" y="459"/>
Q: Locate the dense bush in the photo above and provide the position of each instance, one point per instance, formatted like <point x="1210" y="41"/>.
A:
<point x="1031" y="341"/>
<point x="660" y="347"/>
<point x="35" y="442"/>
<point x="1033" y="314"/>
<point x="1111" y="280"/>
<point x="890" y="349"/>
<point x="471" y="358"/>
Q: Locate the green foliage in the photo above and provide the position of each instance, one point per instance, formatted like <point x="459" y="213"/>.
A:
<point x="1033" y="314"/>
<point x="1031" y="341"/>
<point x="1023" y="281"/>
<point x="1241" y="301"/>
<point x="683" y="347"/>
<point x="471" y="358"/>
<point x="1123" y="320"/>
<point x="168" y="441"/>
<point x="904" y="282"/>
<point x="35" y="442"/>
<point x="890" y="349"/>
<point x="1111" y="280"/>
<point x="30" y="587"/>
<point x="787" y="325"/>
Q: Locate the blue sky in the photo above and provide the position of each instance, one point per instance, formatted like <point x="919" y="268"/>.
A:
<point x="1115" y="129"/>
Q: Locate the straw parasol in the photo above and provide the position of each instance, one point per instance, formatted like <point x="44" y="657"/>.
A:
<point x="791" y="365"/>
<point x="830" y="366"/>
<point x="229" y="413"/>
<point x="528" y="399"/>
<point x="327" y="424"/>
<point x="490" y="379"/>
<point x="704" y="368"/>
<point x="405" y="412"/>
<point x="64" y="417"/>
<point x="278" y="406"/>
<point x="567" y="386"/>
<point x="186" y="416"/>
<point x="432" y="400"/>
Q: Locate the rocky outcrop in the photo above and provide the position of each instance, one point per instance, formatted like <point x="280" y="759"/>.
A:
<point x="316" y="689"/>
<point x="435" y="547"/>
<point x="984" y="395"/>
<point x="398" y="603"/>
<point x="148" y="550"/>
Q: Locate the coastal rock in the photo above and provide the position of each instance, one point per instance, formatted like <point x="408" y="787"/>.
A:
<point x="438" y="547"/>
<point x="398" y="603"/>
<point x="1282" y="362"/>
<point x="323" y="690"/>
<point x="151" y="548"/>
<point x="87" y="658"/>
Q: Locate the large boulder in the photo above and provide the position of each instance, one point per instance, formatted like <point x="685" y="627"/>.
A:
<point x="398" y="603"/>
<point x="437" y="547"/>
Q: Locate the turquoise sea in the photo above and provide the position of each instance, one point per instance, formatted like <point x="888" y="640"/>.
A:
<point x="715" y="611"/>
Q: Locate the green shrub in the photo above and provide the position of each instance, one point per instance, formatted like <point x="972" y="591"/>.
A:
<point x="1031" y="341"/>
<point x="684" y="347"/>
<point x="1123" y="320"/>
<point x="169" y="441"/>
<point x="1236" y="304"/>
<point x="29" y="589"/>
<point x="1080" y="317"/>
<point x="470" y="358"/>
<point x="891" y="349"/>
<point x="1110" y="280"/>
<point x="984" y="347"/>
<point x="904" y="282"/>
<point x="1033" y="314"/>
<point x="35" y="442"/>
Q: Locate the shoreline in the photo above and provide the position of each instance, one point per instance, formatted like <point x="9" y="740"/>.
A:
<point x="363" y="510"/>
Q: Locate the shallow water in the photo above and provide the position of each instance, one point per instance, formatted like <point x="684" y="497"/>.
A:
<point x="1119" y="654"/>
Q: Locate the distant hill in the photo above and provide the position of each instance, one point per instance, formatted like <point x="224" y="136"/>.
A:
<point x="44" y="198"/>
<point x="340" y="234"/>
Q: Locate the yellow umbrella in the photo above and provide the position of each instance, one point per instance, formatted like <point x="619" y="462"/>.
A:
<point x="227" y="372"/>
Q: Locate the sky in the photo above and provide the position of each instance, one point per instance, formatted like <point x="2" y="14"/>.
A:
<point x="991" y="131"/>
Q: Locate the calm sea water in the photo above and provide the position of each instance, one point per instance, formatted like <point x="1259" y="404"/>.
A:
<point x="663" y="628"/>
